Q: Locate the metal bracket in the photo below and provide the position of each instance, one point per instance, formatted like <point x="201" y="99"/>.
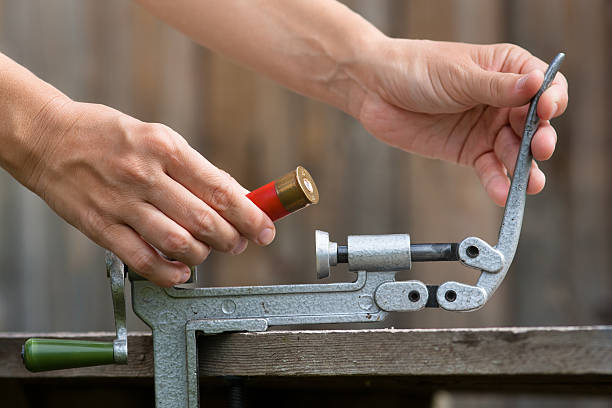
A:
<point x="116" y="273"/>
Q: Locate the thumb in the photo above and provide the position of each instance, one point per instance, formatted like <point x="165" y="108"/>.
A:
<point x="505" y="89"/>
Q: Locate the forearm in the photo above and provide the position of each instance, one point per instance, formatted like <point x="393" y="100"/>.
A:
<point x="313" y="46"/>
<point x="26" y="105"/>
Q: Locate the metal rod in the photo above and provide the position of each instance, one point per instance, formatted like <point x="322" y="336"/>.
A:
<point x="434" y="252"/>
<point x="418" y="252"/>
<point x="342" y="254"/>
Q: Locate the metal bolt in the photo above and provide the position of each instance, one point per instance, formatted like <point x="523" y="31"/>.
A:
<point x="450" y="295"/>
<point x="236" y="392"/>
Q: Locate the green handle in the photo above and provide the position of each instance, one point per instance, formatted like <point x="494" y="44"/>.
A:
<point x="57" y="354"/>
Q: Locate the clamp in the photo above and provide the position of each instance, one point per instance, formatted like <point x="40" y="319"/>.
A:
<point x="178" y="315"/>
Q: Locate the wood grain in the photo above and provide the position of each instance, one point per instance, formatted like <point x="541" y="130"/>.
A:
<point x="508" y="358"/>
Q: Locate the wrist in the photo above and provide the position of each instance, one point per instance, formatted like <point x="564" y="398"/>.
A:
<point x="356" y="50"/>
<point x="364" y="58"/>
<point x="323" y="53"/>
<point x="381" y="60"/>
<point x="31" y="130"/>
<point x="26" y="106"/>
<point x="394" y="71"/>
<point x="47" y="124"/>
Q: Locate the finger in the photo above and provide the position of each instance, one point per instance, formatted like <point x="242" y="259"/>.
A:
<point x="517" y="119"/>
<point x="492" y="175"/>
<point x="534" y="63"/>
<point x="166" y="235"/>
<point x="194" y="215"/>
<point x="506" y="148"/>
<point x="505" y="89"/>
<point x="543" y="142"/>
<point x="545" y="138"/>
<point x="552" y="102"/>
<point x="142" y="258"/>
<point x="537" y="179"/>
<point x="221" y="192"/>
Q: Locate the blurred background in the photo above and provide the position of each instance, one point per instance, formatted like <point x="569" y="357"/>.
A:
<point x="113" y="52"/>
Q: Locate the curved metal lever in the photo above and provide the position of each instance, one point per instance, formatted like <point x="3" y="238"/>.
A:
<point x="116" y="273"/>
<point x="462" y="297"/>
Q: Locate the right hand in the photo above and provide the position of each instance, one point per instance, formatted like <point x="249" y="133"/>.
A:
<point x="134" y="187"/>
<point x="463" y="103"/>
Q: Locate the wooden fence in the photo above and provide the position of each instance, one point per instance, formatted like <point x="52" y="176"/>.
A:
<point x="112" y="52"/>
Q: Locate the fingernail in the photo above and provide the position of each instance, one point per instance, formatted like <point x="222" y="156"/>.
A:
<point x="186" y="276"/>
<point x="242" y="244"/>
<point x="266" y="236"/>
<point x="520" y="84"/>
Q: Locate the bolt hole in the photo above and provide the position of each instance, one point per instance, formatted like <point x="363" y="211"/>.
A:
<point x="472" y="251"/>
<point x="450" y="295"/>
<point x="414" y="296"/>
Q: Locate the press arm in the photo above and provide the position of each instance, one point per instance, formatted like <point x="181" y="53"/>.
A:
<point x="395" y="252"/>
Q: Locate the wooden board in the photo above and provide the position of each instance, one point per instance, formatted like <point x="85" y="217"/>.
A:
<point x="569" y="359"/>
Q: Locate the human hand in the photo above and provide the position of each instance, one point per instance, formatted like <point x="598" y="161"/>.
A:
<point x="132" y="187"/>
<point x="462" y="103"/>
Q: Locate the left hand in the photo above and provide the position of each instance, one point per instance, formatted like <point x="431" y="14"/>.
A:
<point x="462" y="103"/>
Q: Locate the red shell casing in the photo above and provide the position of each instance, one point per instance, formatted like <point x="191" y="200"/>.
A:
<point x="266" y="198"/>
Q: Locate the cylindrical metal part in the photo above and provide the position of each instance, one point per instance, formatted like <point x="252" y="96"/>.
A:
<point x="376" y="253"/>
<point x="434" y="252"/>
<point x="418" y="252"/>
<point x="326" y="254"/>
<point x="290" y="193"/>
<point x="342" y="256"/>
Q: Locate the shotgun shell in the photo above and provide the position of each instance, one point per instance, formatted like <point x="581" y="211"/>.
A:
<point x="294" y="191"/>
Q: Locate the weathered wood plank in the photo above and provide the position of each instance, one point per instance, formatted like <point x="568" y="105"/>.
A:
<point x="507" y="358"/>
<point x="460" y="352"/>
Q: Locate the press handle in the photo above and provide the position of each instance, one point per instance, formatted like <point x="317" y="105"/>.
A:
<point x="57" y="354"/>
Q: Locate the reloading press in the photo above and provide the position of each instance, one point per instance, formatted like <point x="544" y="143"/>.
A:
<point x="176" y="315"/>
